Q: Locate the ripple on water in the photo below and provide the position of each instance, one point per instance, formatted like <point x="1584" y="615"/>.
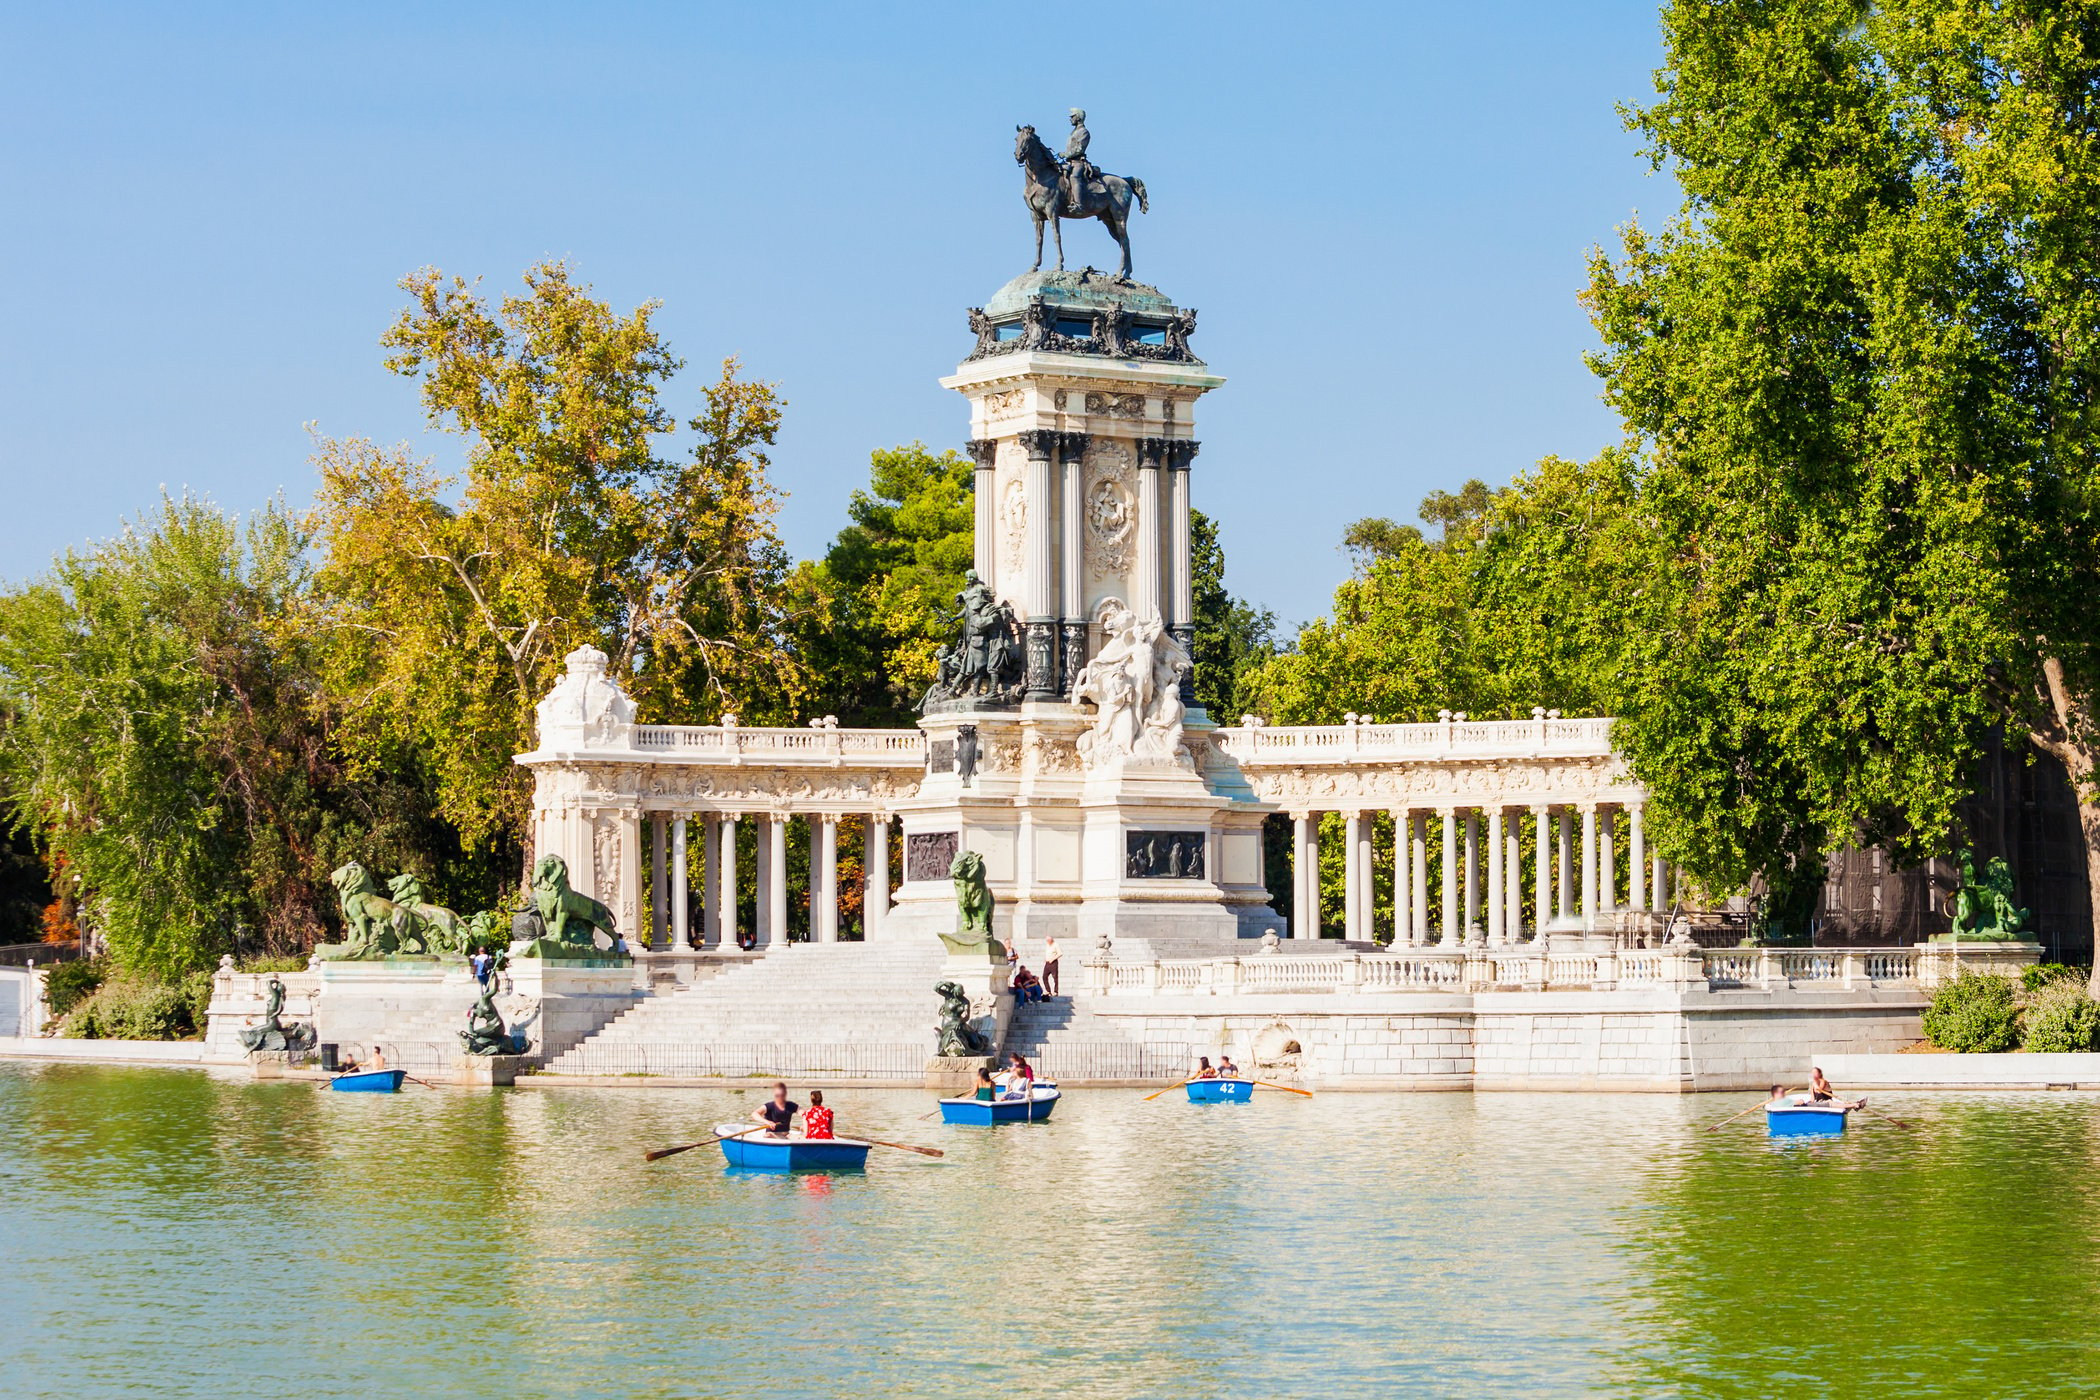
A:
<point x="189" y="1233"/>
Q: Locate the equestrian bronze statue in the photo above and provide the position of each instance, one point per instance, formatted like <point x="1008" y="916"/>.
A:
<point x="1074" y="189"/>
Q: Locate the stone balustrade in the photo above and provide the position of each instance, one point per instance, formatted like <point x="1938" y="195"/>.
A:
<point x="1469" y="969"/>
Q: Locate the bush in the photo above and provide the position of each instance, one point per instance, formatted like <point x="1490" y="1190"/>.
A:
<point x="67" y="984"/>
<point x="130" y="1008"/>
<point x="2061" y="1019"/>
<point x="2034" y="979"/>
<point x="1976" y="1014"/>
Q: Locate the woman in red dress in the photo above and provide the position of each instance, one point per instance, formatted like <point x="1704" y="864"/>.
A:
<point x="816" y="1122"/>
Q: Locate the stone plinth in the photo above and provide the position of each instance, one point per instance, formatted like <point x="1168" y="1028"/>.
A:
<point x="393" y="1002"/>
<point x="956" y="1074"/>
<point x="487" y="1071"/>
<point x="570" y="999"/>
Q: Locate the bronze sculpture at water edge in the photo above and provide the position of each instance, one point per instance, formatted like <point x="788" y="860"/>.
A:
<point x="957" y="1036"/>
<point x="485" y="1033"/>
<point x="273" y="1033"/>
<point x="1075" y="190"/>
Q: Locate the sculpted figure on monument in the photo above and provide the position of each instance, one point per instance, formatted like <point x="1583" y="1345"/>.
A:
<point x="436" y="928"/>
<point x="273" y="1033"/>
<point x="1075" y="190"/>
<point x="984" y="661"/>
<point x="485" y="1034"/>
<point x="957" y="1036"/>
<point x="558" y="921"/>
<point x="1134" y="682"/>
<point x="373" y="925"/>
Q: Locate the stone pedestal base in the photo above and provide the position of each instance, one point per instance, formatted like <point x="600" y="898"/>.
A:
<point x="393" y="1003"/>
<point x="487" y="1071"/>
<point x="569" y="1000"/>
<point x="269" y="1064"/>
<point x="953" y="1075"/>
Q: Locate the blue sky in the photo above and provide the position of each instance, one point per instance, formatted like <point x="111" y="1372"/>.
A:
<point x="1381" y="212"/>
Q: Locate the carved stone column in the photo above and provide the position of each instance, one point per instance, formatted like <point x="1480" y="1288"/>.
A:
<point x="659" y="880"/>
<point x="875" y="870"/>
<point x="1356" y="879"/>
<point x="1589" y="866"/>
<point x="1607" y="862"/>
<point x="1181" y="586"/>
<point x="1451" y="934"/>
<point x="777" y="875"/>
<point x="710" y="929"/>
<point x="762" y="931"/>
<point x="1636" y="860"/>
<point x="681" y="920"/>
<point x="1497" y="928"/>
<point x="1145" y="593"/>
<point x="1305" y="874"/>
<point x="1403" y="907"/>
<point x="983" y="451"/>
<point x="1565" y="907"/>
<point x="723" y="886"/>
<point x="824" y="881"/>
<point x="1039" y="565"/>
<point x="1071" y="450"/>
<point x="1542" y="881"/>
<point x="1471" y="919"/>
<point x="1418" y="858"/>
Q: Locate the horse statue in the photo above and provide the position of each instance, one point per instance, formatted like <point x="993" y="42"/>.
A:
<point x="1106" y="197"/>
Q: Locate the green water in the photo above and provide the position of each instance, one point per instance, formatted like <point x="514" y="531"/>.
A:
<point x="183" y="1233"/>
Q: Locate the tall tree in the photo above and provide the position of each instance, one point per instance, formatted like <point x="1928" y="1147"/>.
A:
<point x="1233" y="637"/>
<point x="1860" y="367"/>
<point x="886" y="585"/>
<point x="449" y="621"/>
<point x="166" y="739"/>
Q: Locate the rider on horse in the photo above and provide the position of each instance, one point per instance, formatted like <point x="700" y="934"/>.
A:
<point x="1078" y="169"/>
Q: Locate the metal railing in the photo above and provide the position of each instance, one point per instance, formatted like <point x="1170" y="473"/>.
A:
<point x="1078" y="1061"/>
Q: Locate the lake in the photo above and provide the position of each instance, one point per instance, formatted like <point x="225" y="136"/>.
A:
<point x="192" y="1233"/>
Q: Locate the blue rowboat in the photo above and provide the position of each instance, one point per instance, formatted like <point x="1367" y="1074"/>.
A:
<point x="745" y="1145"/>
<point x="370" y="1081"/>
<point x="1806" y="1119"/>
<point x="978" y="1113"/>
<point x="1220" y="1090"/>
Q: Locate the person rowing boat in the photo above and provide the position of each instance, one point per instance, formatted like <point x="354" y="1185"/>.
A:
<point x="1821" y="1090"/>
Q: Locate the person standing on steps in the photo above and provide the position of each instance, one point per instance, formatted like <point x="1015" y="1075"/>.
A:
<point x="1050" y="966"/>
<point x="778" y="1113"/>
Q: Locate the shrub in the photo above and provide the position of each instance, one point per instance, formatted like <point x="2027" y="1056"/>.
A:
<point x="1976" y="1014"/>
<point x="2033" y="979"/>
<point x="2061" y="1019"/>
<point x="69" y="983"/>
<point x="130" y="1008"/>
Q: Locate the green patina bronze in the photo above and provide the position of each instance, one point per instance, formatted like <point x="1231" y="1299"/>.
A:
<point x="1983" y="910"/>
<point x="485" y="1033"/>
<point x="273" y="1033"/>
<point x="958" y="1036"/>
<point x="973" y="909"/>
<point x="377" y="927"/>
<point x="558" y="923"/>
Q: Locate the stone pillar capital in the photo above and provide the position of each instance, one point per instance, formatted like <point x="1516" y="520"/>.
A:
<point x="981" y="451"/>
<point x="1039" y="443"/>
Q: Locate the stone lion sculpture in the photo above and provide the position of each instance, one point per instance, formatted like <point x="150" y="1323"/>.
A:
<point x="559" y="914"/>
<point x="436" y="927"/>
<point x="958" y="1037"/>
<point x="373" y="925"/>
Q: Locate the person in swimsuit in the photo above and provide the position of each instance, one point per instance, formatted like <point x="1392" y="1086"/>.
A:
<point x="779" y="1114"/>
<point x="816" y="1123"/>
<point x="986" y="1090"/>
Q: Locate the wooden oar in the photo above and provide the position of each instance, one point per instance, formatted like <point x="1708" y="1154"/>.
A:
<point x="907" y="1147"/>
<point x="1862" y="1107"/>
<point x="1285" y="1087"/>
<point x="1752" y="1109"/>
<point x="674" y="1151"/>
<point x="424" y="1082"/>
<point x="1168" y="1090"/>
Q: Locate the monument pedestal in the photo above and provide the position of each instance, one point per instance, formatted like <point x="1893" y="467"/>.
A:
<point x="416" y="999"/>
<point x="570" y="999"/>
<point x="488" y="1071"/>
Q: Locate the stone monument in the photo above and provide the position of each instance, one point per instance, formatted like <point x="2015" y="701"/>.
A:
<point x="1065" y="749"/>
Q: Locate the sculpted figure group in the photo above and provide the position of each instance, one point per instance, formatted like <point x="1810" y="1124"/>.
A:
<point x="402" y="922"/>
<point x="1134" y="682"/>
<point x="984" y="660"/>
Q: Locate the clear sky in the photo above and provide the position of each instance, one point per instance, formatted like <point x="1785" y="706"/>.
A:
<point x="1381" y="212"/>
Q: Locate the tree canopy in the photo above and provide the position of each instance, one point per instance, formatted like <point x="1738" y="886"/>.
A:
<point x="449" y="605"/>
<point x="1858" y="368"/>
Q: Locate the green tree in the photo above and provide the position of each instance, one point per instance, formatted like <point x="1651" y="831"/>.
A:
<point x="881" y="594"/>
<point x="1232" y="636"/>
<point x="448" y="622"/>
<point x="1514" y="605"/>
<point x="1860" y="369"/>
<point x="167" y="740"/>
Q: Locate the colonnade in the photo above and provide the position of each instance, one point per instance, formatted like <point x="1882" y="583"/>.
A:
<point x="1481" y="856"/>
<point x="678" y="867"/>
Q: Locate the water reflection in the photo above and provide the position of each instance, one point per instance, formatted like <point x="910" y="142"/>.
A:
<point x="187" y="1233"/>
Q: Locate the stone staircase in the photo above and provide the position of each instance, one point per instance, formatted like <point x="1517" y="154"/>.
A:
<point x="861" y="1010"/>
